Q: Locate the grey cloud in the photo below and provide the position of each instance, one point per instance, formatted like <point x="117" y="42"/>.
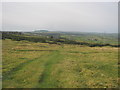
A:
<point x="64" y="16"/>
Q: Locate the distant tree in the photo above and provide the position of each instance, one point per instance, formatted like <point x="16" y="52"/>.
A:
<point x="51" y="36"/>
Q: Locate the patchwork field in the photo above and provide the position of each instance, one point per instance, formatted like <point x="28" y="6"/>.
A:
<point x="40" y="65"/>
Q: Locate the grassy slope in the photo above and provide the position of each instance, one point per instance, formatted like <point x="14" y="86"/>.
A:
<point x="101" y="38"/>
<point x="41" y="65"/>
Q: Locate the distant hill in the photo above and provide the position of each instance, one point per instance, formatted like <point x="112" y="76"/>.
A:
<point x="41" y="31"/>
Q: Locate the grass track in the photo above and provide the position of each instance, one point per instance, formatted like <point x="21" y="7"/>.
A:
<point x="46" y="80"/>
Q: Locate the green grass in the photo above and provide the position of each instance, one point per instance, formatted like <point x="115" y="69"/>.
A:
<point x="90" y="38"/>
<point x="41" y="65"/>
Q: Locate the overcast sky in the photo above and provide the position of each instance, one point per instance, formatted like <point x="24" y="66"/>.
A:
<point x="61" y="16"/>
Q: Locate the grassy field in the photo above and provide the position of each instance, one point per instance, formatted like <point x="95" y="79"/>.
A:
<point x="41" y="65"/>
<point x="95" y="38"/>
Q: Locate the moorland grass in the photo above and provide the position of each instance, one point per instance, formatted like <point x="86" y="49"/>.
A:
<point x="42" y="65"/>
